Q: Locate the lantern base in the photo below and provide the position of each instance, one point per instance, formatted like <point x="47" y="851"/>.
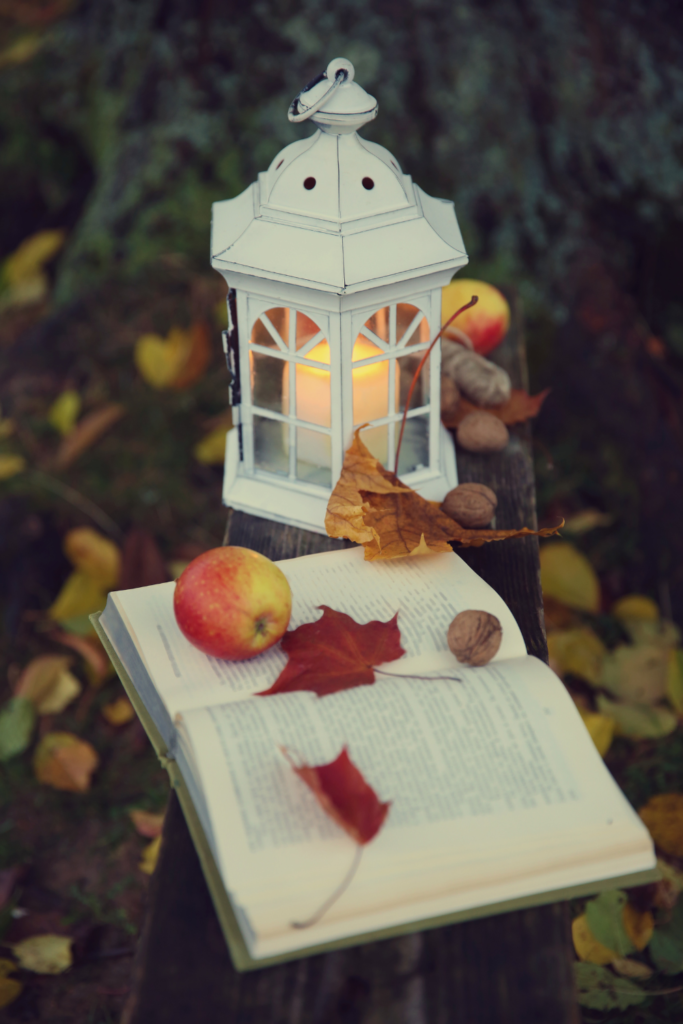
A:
<point x="297" y="504"/>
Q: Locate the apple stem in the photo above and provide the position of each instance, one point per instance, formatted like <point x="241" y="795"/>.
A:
<point x="339" y="891"/>
<point x="397" y="675"/>
<point x="473" y="301"/>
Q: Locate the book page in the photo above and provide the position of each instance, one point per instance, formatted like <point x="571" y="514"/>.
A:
<point x="427" y="591"/>
<point x="489" y="768"/>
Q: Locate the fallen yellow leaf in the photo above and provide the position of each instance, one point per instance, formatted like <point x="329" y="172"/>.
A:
<point x="639" y="926"/>
<point x="636" y="606"/>
<point x="210" y="451"/>
<point x="150" y="856"/>
<point x="40" y="676"/>
<point x="65" y="689"/>
<point x="80" y="595"/>
<point x="578" y="652"/>
<point x="147" y="823"/>
<point x="10" y="465"/>
<point x="20" y="51"/>
<point x="587" y="946"/>
<point x="64" y="761"/>
<point x="637" y="675"/>
<point x="44" y="954"/>
<point x="568" y="577"/>
<point x="7" y="428"/>
<point x="64" y="411"/>
<point x="663" y="816"/>
<point x="628" y="968"/>
<point x="10" y="988"/>
<point x="160" y="361"/>
<point x="25" y="265"/>
<point x="119" y="711"/>
<point x="93" y="554"/>
<point x="674" y="680"/>
<point x="601" y="729"/>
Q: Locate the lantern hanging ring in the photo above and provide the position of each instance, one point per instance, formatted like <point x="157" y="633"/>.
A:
<point x="341" y="74"/>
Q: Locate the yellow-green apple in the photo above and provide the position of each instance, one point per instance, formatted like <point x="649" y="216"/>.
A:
<point x="484" y="325"/>
<point x="232" y="603"/>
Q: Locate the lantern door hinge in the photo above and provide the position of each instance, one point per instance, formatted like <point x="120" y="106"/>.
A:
<point x="232" y="358"/>
<point x="232" y="351"/>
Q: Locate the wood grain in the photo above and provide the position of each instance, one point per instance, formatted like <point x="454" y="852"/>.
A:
<point x="510" y="968"/>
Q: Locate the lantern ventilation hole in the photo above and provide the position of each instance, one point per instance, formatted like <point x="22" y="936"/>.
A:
<point x="279" y="165"/>
<point x="309" y="183"/>
<point x="368" y="183"/>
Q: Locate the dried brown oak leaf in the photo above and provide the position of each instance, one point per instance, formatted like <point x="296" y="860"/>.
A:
<point x="519" y="408"/>
<point x="474" y="637"/>
<point x="371" y="506"/>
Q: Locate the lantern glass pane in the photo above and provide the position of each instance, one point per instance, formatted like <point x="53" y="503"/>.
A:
<point x="364" y="349"/>
<point x="268" y="382"/>
<point x="279" y="320"/>
<point x="313" y="457"/>
<point x="414" y="452"/>
<point x="379" y="324"/>
<point x="370" y="391"/>
<point x="271" y="445"/>
<point x="376" y="440"/>
<point x="313" y="402"/>
<point x="305" y="330"/>
<point x="420" y="395"/>
<point x="405" y="319"/>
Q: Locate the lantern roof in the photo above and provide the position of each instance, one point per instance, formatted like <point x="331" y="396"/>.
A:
<point x="334" y="211"/>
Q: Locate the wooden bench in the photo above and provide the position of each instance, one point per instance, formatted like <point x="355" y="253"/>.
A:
<point x="513" y="968"/>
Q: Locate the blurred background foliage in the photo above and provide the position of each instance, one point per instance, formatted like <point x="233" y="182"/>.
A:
<point x="550" y="125"/>
<point x="557" y="128"/>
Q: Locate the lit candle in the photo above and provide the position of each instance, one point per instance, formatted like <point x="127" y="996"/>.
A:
<point x="313" y="404"/>
<point x="313" y="401"/>
<point x="371" y="395"/>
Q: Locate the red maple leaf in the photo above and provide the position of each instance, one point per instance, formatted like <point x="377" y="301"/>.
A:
<point x="343" y="793"/>
<point x="335" y="653"/>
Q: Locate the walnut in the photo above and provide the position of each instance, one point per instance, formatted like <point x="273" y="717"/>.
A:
<point x="474" y="637"/>
<point x="478" y="378"/>
<point x="482" y="432"/>
<point x="471" y="505"/>
<point x="450" y="396"/>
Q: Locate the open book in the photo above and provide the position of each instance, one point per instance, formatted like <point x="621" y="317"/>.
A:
<point x="499" y="797"/>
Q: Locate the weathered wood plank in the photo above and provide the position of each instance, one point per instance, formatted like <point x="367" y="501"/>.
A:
<point x="509" y="968"/>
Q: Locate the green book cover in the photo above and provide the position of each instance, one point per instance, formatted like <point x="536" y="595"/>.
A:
<point x="239" y="953"/>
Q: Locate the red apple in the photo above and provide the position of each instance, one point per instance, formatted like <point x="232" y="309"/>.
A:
<point x="232" y="603"/>
<point x="484" y="325"/>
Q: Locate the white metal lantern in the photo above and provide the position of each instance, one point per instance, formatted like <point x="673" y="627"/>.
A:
<point x="335" y="261"/>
